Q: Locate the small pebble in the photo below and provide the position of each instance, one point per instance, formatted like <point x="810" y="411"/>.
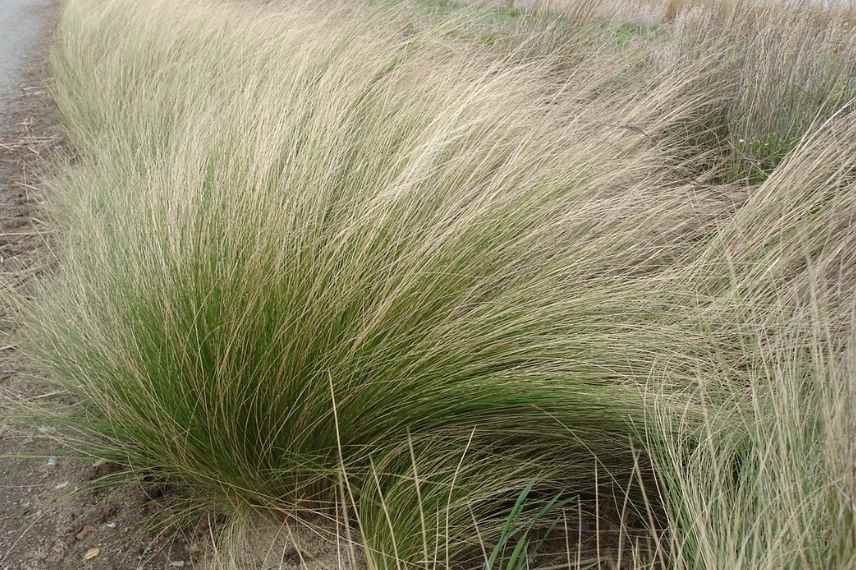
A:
<point x="85" y="532"/>
<point x="52" y="460"/>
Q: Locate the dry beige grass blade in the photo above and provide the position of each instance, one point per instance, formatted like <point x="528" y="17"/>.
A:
<point x="791" y="244"/>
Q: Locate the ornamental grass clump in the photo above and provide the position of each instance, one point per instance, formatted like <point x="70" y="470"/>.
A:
<point x="450" y="297"/>
<point x="766" y="480"/>
<point x="307" y="246"/>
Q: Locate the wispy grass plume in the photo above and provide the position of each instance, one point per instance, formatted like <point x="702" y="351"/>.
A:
<point x="318" y="259"/>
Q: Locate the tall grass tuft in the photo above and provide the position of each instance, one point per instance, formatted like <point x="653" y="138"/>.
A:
<point x="767" y="480"/>
<point x="276" y="219"/>
<point x="772" y="487"/>
<point x="318" y="259"/>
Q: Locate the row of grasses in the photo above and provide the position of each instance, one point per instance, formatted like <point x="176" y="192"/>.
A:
<point x="456" y="298"/>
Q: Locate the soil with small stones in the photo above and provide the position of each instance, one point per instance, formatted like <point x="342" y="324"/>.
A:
<point x="52" y="516"/>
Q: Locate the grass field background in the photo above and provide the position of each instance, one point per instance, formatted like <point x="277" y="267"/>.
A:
<point x="465" y="287"/>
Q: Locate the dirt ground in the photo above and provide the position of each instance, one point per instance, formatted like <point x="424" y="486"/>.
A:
<point x="51" y="515"/>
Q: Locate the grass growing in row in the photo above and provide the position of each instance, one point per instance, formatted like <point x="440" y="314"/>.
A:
<point x="457" y="297"/>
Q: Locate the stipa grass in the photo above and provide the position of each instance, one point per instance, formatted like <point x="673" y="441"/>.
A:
<point x="774" y="488"/>
<point x="317" y="259"/>
<point x="274" y="211"/>
<point x="779" y="67"/>
<point x="767" y="480"/>
<point x="791" y="68"/>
